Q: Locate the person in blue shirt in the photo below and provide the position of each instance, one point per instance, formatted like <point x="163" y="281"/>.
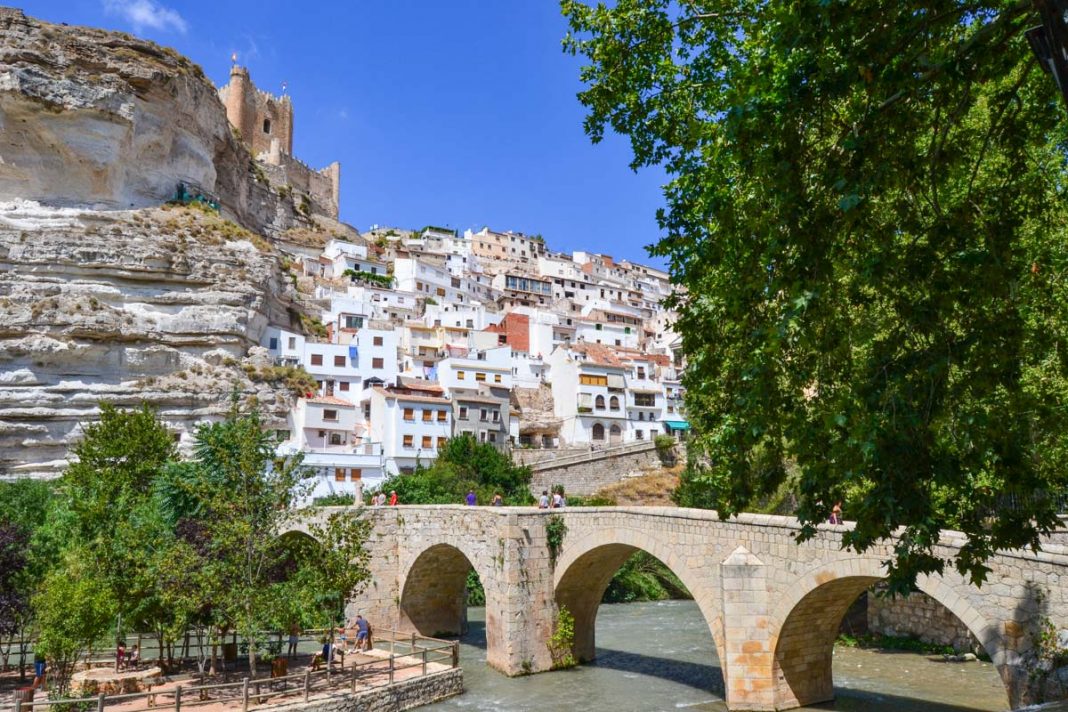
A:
<point x="363" y="632"/>
<point x="472" y="500"/>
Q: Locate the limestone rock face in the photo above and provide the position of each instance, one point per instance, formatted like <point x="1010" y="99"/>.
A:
<point x="165" y="306"/>
<point x="101" y="119"/>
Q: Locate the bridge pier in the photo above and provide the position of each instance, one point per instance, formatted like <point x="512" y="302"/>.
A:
<point x="773" y="606"/>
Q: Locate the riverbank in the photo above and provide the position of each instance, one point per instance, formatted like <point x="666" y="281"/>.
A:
<point x="660" y="656"/>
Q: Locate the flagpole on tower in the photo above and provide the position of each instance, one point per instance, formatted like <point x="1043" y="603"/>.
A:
<point x="233" y="59"/>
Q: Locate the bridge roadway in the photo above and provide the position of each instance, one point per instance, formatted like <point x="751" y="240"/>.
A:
<point x="773" y="606"/>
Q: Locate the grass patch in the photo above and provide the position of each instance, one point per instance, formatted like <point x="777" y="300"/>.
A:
<point x="875" y="641"/>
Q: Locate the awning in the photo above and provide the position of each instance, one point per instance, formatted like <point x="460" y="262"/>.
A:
<point x="677" y="425"/>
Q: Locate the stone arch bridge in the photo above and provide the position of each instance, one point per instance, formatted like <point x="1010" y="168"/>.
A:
<point x="773" y="606"/>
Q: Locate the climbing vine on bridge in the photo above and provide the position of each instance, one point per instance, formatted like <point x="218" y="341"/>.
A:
<point x="555" y="529"/>
<point x="562" y="642"/>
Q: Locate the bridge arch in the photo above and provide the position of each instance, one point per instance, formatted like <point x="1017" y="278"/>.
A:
<point x="433" y="591"/>
<point x="806" y="623"/>
<point x="587" y="565"/>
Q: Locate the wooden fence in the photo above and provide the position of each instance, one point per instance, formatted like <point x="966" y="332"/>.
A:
<point x="407" y="652"/>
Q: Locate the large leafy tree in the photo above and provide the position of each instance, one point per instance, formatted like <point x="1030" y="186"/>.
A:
<point x="866" y="217"/>
<point x="464" y="464"/>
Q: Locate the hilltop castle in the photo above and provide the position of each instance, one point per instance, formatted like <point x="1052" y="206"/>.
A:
<point x="264" y="123"/>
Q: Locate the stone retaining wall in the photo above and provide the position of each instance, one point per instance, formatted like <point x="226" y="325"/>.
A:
<point x="397" y="697"/>
<point x="919" y="616"/>
<point x="585" y="478"/>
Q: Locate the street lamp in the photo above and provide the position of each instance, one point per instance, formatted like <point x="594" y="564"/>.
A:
<point x="1049" y="41"/>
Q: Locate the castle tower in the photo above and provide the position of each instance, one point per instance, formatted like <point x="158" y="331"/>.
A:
<point x="260" y="117"/>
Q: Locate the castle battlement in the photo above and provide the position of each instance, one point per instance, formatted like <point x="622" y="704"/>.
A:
<point x="265" y="124"/>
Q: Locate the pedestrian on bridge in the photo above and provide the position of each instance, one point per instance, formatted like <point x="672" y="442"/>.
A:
<point x="472" y="500"/>
<point x="543" y="502"/>
<point x="393" y="498"/>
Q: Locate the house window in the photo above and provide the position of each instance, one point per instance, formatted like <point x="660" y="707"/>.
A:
<point x="339" y="360"/>
<point x="463" y="412"/>
<point x="316" y="359"/>
<point x="598" y="432"/>
<point x="483" y="415"/>
<point x="377" y="341"/>
<point x="335" y="438"/>
<point x="409" y="441"/>
<point x="599" y="403"/>
<point x="588" y="380"/>
<point x="428" y="415"/>
<point x="496" y="416"/>
<point x="441" y="416"/>
<point x="292" y="342"/>
<point x="353" y="322"/>
<point x="613" y="403"/>
<point x="460" y="375"/>
<point x="343" y="385"/>
<point x="645" y="400"/>
<point x="355" y="474"/>
<point x="638" y="434"/>
<point x="493" y="437"/>
<point x="409" y="414"/>
<point x="427" y="442"/>
<point x="376" y="363"/>
<point x="641" y="372"/>
<point x="266" y="126"/>
<point x="496" y="378"/>
<point x="329" y="414"/>
<point x="322" y="434"/>
<point x="441" y="443"/>
<point x="339" y="474"/>
<point x="480" y="377"/>
<point x="274" y="344"/>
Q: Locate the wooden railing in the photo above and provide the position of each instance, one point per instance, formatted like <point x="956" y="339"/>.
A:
<point x="407" y="651"/>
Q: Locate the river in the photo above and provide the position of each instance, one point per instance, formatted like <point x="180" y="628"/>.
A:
<point x="659" y="656"/>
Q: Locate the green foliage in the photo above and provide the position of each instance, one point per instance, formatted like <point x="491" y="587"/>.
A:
<point x="380" y="280"/>
<point x="594" y="500"/>
<point x="664" y="443"/>
<point x="464" y="464"/>
<point x="562" y="641"/>
<point x="312" y="326"/>
<point x="476" y="595"/>
<point x="867" y="214"/>
<point x="890" y="642"/>
<point x="74" y="608"/>
<point x="339" y="499"/>
<point x="298" y="381"/>
<point x="555" y="531"/>
<point x="644" y="578"/>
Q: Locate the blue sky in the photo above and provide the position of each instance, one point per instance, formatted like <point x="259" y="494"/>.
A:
<point x="460" y="112"/>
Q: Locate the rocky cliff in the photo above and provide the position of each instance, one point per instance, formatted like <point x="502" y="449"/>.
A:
<point x="105" y="120"/>
<point x="104" y="294"/>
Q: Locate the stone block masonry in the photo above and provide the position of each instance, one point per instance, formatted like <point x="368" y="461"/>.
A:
<point x="773" y="606"/>
<point x="400" y="696"/>
<point x="919" y="616"/>
<point x="589" y="472"/>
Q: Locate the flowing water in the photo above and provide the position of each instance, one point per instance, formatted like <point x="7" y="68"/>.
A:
<point x="659" y="656"/>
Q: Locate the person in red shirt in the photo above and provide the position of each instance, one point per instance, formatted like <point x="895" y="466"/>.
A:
<point x="393" y="498"/>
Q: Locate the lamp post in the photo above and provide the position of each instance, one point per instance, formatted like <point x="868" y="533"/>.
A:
<point x="1049" y="41"/>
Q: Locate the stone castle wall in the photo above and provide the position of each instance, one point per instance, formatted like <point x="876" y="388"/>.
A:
<point x="321" y="187"/>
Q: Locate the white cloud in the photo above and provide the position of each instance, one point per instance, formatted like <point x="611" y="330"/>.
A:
<point x="147" y="14"/>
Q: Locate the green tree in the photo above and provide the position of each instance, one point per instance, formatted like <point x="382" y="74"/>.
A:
<point x="866" y="210"/>
<point x="74" y="609"/>
<point x="464" y="464"/>
<point x="244" y="496"/>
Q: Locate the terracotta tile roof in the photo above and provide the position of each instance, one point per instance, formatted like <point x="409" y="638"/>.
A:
<point x="598" y="354"/>
<point x="332" y="400"/>
<point x="418" y="384"/>
<point x="411" y="398"/>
